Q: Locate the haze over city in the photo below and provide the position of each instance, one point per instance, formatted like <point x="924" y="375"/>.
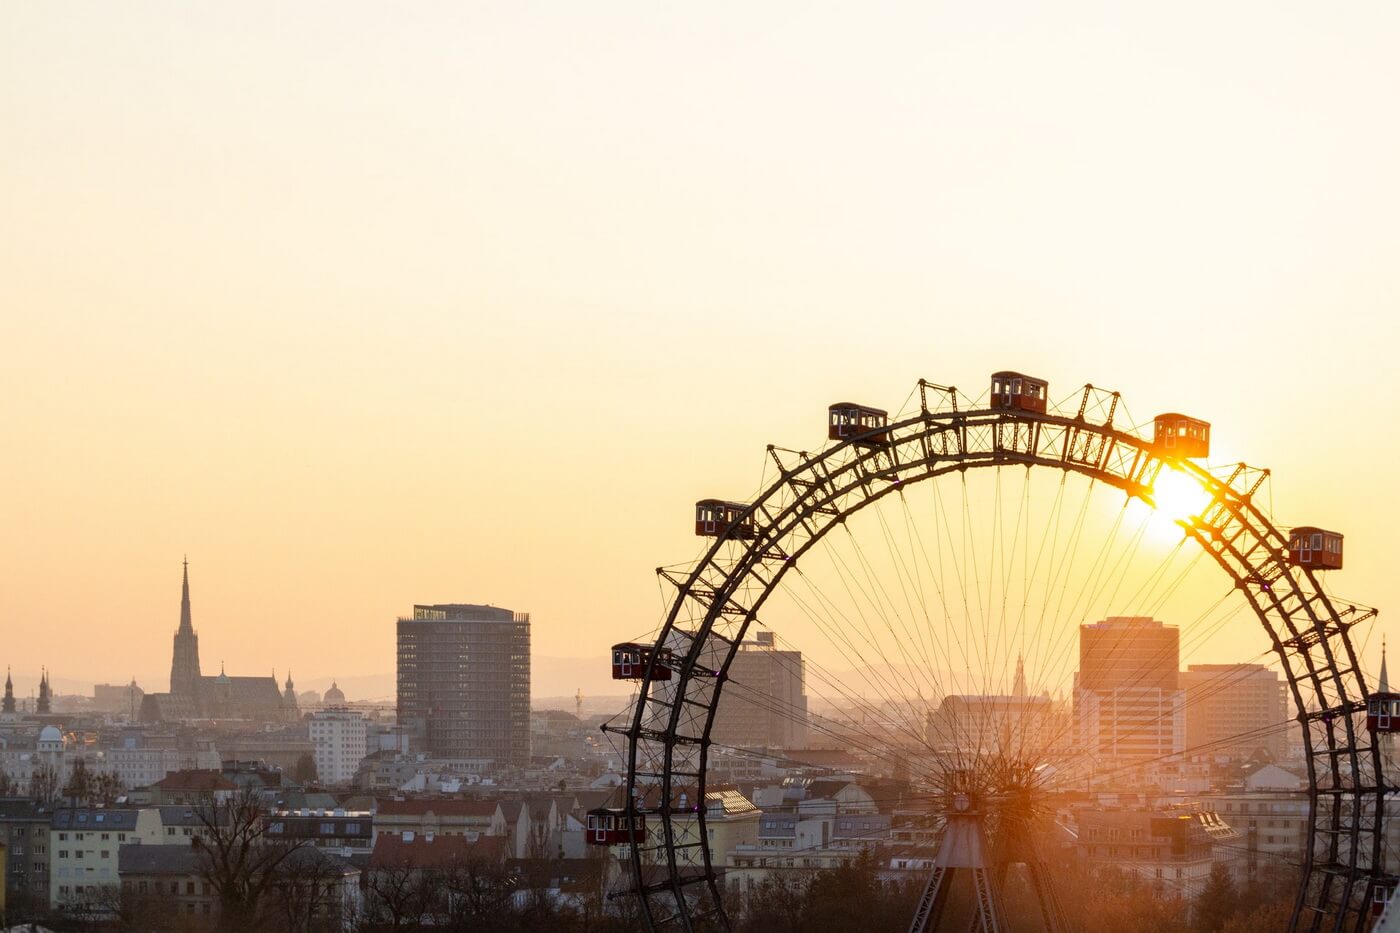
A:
<point x="473" y="303"/>
<point x="426" y="352"/>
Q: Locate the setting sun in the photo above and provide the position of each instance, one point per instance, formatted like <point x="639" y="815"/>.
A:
<point x="1178" y="495"/>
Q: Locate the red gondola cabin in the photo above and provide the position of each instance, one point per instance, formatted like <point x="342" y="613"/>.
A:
<point x="1315" y="549"/>
<point x="847" y="420"/>
<point x="713" y="517"/>
<point x="613" y="827"/>
<point x="629" y="662"/>
<point x="1383" y="712"/>
<point x="1381" y="893"/>
<point x="1019" y="391"/>
<point x="1181" y="436"/>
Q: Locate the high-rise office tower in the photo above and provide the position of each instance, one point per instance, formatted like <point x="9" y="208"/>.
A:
<point x="1127" y="699"/>
<point x="764" y="701"/>
<point x="464" y="682"/>
<point x="1235" y="710"/>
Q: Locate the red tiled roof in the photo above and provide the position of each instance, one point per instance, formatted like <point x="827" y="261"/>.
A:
<point x="195" y="780"/>
<point x="391" y="851"/>
<point x="439" y="806"/>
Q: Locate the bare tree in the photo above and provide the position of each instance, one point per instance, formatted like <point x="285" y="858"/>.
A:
<point x="308" y="894"/>
<point x="479" y="894"/>
<point x="87" y="788"/>
<point x="9" y="787"/>
<point x="124" y="911"/>
<point x="237" y="859"/>
<point x="400" y="895"/>
<point x="44" y="783"/>
<point x="107" y="787"/>
<point x="78" y="790"/>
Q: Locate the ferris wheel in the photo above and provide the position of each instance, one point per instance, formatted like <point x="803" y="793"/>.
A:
<point x="938" y="585"/>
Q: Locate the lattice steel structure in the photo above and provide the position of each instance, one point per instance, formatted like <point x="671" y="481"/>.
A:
<point x="675" y="878"/>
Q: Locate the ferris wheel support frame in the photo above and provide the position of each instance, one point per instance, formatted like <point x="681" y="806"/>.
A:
<point x="669" y="735"/>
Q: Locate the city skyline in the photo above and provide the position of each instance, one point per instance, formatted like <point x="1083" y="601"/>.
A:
<point x="935" y="457"/>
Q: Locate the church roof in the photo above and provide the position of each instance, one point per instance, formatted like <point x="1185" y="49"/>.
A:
<point x="243" y="691"/>
<point x="167" y="707"/>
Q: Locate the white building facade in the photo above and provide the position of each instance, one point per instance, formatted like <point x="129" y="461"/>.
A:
<point x="338" y="738"/>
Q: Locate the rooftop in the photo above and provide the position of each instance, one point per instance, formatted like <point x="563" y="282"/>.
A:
<point x="464" y="612"/>
<point x="425" y="850"/>
<point x="195" y="781"/>
<point x="438" y="806"/>
<point x="157" y="860"/>
<point x="94" y="818"/>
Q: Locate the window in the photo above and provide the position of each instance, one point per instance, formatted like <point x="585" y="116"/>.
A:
<point x="106" y="853"/>
<point x="189" y="887"/>
<point x="62" y="853"/>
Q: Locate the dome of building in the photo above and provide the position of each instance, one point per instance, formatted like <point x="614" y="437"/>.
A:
<point x="50" y="734"/>
<point x="334" y="696"/>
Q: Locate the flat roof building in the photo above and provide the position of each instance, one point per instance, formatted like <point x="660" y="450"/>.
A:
<point x="1127" y="700"/>
<point x="1235" y="710"/>
<point x="464" y="682"/>
<point x="765" y="700"/>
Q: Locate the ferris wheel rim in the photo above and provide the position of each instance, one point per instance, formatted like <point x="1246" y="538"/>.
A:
<point x="1147" y="462"/>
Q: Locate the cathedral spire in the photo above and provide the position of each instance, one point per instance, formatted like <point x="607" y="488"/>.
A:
<point x="184" y="661"/>
<point x="186" y="625"/>
<point x="1020" y="687"/>
<point x="9" y="704"/>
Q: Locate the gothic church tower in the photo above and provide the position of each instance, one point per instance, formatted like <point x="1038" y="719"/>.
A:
<point x="184" y="665"/>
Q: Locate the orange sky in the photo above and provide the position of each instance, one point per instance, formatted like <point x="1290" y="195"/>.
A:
<point x="363" y="307"/>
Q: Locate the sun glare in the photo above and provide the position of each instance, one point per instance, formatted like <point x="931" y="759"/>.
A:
<point x="1178" y="495"/>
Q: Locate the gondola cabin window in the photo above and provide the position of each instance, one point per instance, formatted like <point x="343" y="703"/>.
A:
<point x="867" y="426"/>
<point x="629" y="662"/>
<point x="1380" y="896"/>
<point x="1383" y="712"/>
<point x="1019" y="391"/>
<point x="1315" y="549"/>
<point x="716" y="517"/>
<point x="1181" y="436"/>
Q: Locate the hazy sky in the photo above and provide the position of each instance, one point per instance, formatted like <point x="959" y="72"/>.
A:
<point x="363" y="305"/>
